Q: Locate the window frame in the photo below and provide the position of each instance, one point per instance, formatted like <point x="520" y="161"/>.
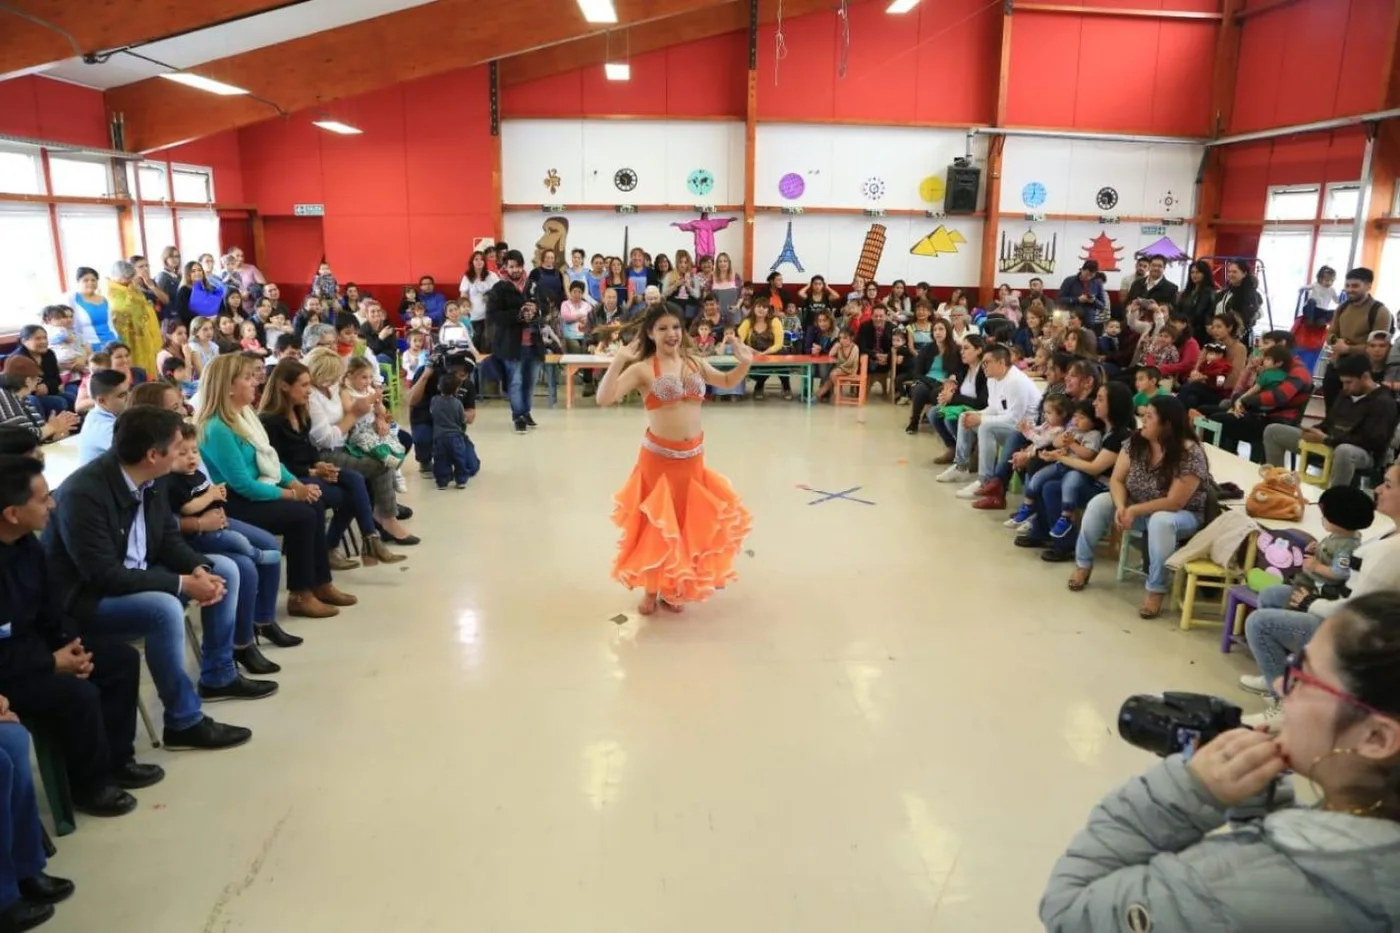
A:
<point x="181" y="168"/>
<point x="37" y="156"/>
<point x="1314" y="189"/>
<point x="105" y="164"/>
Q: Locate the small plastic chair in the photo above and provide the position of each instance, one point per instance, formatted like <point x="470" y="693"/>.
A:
<point x="1199" y="573"/>
<point x="856" y="381"/>
<point x="1240" y="600"/>
<point x="1307" y="449"/>
<point x="1209" y="430"/>
<point x="1125" y="547"/>
<point x="53" y="774"/>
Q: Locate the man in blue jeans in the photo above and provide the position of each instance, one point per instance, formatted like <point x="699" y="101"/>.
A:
<point x="116" y="554"/>
<point x="515" y="336"/>
<point x="27" y="895"/>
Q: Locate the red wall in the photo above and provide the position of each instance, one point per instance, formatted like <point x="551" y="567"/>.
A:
<point x="1110" y="73"/>
<point x="42" y="108"/>
<point x="937" y="63"/>
<point x="403" y="200"/>
<point x="708" y="77"/>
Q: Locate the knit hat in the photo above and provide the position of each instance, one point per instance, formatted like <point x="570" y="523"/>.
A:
<point x="1347" y="508"/>
<point x="22" y="367"/>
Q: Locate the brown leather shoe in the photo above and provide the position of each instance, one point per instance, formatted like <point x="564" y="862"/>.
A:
<point x="339" y="561"/>
<point x="327" y="593"/>
<point x="944" y="458"/>
<point x="376" y="552"/>
<point x="307" y="606"/>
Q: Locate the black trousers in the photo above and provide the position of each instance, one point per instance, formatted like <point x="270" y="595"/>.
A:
<point x="1248" y="427"/>
<point x="302" y="526"/>
<point x="94" y="719"/>
<point x="923" y="392"/>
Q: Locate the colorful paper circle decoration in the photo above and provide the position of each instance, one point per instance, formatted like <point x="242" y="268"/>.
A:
<point x="700" y="182"/>
<point x="791" y="186"/>
<point x="1033" y="194"/>
<point x="873" y="189"/>
<point x="625" y="179"/>
<point x="1106" y="199"/>
<point x="932" y="189"/>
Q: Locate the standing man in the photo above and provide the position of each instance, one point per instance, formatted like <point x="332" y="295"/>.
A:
<point x="1085" y="292"/>
<point x="1126" y="285"/>
<point x="116" y="556"/>
<point x="109" y="394"/>
<point x="515" y="337"/>
<point x="83" y="690"/>
<point x="1154" y="285"/>
<point x="1036" y="290"/>
<point x="1353" y="322"/>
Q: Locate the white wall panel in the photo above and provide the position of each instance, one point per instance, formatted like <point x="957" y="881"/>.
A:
<point x="831" y="246"/>
<point x="1073" y="172"/>
<point x="603" y="232"/>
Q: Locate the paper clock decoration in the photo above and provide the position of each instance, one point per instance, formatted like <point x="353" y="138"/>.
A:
<point x="552" y="181"/>
<point x="932" y="189"/>
<point x="1033" y="194"/>
<point x="700" y="182"/>
<point x="791" y="186"/>
<point x="1106" y="199"/>
<point x="625" y="179"/>
<point x="873" y="189"/>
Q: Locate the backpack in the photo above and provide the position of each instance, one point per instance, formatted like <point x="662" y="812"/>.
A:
<point x="1276" y="496"/>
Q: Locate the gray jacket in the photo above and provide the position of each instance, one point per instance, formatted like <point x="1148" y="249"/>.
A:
<point x="1145" y="862"/>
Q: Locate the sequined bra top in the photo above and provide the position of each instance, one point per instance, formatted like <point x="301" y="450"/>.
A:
<point x="670" y="390"/>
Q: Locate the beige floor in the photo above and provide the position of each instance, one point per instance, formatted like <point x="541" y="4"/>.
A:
<point x="893" y="721"/>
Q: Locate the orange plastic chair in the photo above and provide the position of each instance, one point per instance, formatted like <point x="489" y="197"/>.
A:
<point x="856" y="380"/>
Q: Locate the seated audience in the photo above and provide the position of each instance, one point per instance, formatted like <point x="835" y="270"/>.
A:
<point x="69" y="350"/>
<point x="83" y="690"/>
<point x="116" y="556"/>
<point x="1358" y="427"/>
<point x="1011" y="398"/>
<point x="1283" y="402"/>
<point x="48" y="394"/>
<point x="1221" y="366"/>
<point x="1148" y="383"/>
<point x="763" y="332"/>
<point x="261" y="491"/>
<point x="1355" y="319"/>
<point x="286" y="417"/>
<point x="378" y="334"/>
<point x="845" y="361"/>
<point x="27" y="895"/>
<point x="875" y="341"/>
<point x="21" y="376"/>
<point x="109" y="394"/>
<point x="1288" y="616"/>
<point x="1076" y="380"/>
<point x="20" y="442"/>
<point x="1385" y="360"/>
<point x="1084" y="478"/>
<point x="965" y="391"/>
<point x="1158" y="488"/>
<point x="1085" y="292"/>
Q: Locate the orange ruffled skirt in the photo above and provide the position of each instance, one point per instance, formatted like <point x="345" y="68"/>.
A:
<point x="682" y="524"/>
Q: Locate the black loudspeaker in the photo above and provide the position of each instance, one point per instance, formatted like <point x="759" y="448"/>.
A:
<point x="960" y="195"/>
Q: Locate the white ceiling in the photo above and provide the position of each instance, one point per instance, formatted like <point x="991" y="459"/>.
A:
<point x="255" y="32"/>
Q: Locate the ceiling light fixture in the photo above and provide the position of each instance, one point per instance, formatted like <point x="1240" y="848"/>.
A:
<point x="598" y="11"/>
<point x="617" y="71"/>
<point x="335" y="126"/>
<point x="901" y="6"/>
<point x="200" y="83"/>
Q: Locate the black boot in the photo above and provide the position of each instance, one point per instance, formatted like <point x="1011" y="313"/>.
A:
<point x="277" y="635"/>
<point x="254" y="661"/>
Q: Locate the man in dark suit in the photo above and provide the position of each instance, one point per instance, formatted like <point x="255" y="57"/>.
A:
<point x="1154" y="285"/>
<point x="116" y="554"/>
<point x="84" y="691"/>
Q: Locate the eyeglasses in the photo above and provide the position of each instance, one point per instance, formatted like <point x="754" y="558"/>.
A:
<point x="1293" y="675"/>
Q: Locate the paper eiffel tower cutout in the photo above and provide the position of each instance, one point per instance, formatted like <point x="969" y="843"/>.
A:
<point x="789" y="254"/>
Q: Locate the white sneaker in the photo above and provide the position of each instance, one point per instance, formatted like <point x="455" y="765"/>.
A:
<point x="1020" y="528"/>
<point x="954" y="474"/>
<point x="400" y="484"/>
<point x="1255" y="683"/>
<point x="1271" y="719"/>
<point x="970" y="490"/>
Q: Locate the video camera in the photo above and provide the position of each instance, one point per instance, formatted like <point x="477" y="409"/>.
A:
<point x="1175" y="722"/>
<point x="451" y="356"/>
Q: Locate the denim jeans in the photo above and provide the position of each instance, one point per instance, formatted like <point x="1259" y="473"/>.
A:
<point x="423" y="446"/>
<point x="1164" y="531"/>
<point x="1017" y="443"/>
<point x="50" y="405"/>
<point x="551" y="381"/>
<point x="347" y="499"/>
<point x="521" y="374"/>
<point x="258" y="550"/>
<point x="21" y="837"/>
<point x="1060" y="496"/>
<point x="159" y="618"/>
<point x="1052" y="472"/>
<point x="991" y="440"/>
<point x="454" y="459"/>
<point x="945" y="429"/>
<point x="1275" y="631"/>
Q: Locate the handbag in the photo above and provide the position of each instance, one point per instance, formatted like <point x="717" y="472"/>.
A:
<point x="1276" y="496"/>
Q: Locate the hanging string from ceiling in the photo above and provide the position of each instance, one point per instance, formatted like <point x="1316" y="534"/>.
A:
<point x="780" y="49"/>
<point x="843" y="13"/>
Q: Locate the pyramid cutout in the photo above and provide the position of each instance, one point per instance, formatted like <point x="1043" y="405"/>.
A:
<point x="940" y="241"/>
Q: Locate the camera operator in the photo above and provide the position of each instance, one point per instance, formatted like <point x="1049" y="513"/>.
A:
<point x="422" y="392"/>
<point x="515" y="336"/>
<point x="1150" y="859"/>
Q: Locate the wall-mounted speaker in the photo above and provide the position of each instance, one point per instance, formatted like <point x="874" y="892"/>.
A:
<point x="960" y="195"/>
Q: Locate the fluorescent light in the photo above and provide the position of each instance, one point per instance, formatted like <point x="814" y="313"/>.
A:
<point x="617" y="71"/>
<point x="598" y="11"/>
<point x="901" y="6"/>
<point x="335" y="126"/>
<point x="200" y="83"/>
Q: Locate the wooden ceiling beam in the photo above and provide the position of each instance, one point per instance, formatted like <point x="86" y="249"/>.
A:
<point x="26" y="45"/>
<point x="360" y="57"/>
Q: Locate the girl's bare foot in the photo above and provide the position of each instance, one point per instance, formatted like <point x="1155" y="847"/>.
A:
<point x="675" y="607"/>
<point x="648" y="604"/>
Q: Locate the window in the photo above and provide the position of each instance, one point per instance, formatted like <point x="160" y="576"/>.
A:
<point x="193" y="185"/>
<point x="153" y="185"/>
<point x="1388" y="275"/>
<point x="1341" y="201"/>
<point x="28" y="265"/>
<point x="20" y="172"/>
<point x="199" y="234"/>
<point x="1297" y="202"/>
<point x="82" y="178"/>
<point x="1333" y="249"/>
<point x="1284" y="254"/>
<point x="90" y="237"/>
<point x="160" y="233"/>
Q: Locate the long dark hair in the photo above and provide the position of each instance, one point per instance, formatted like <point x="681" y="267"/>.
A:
<point x="656" y="313"/>
<point x="276" y="403"/>
<point x="1121" y="415"/>
<point x="1175" y="434"/>
<point x="948" y="350"/>
<point x="470" y="274"/>
<point x="1207" y="277"/>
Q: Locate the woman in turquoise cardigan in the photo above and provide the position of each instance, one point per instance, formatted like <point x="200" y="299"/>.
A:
<point x="261" y="491"/>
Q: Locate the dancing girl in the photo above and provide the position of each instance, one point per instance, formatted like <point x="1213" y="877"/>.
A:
<point x="682" y="524"/>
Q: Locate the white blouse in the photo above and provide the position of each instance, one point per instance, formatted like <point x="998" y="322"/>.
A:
<point x="475" y="292"/>
<point x="326" y="415"/>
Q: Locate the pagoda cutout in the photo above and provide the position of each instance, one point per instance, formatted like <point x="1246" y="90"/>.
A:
<point x="1103" y="250"/>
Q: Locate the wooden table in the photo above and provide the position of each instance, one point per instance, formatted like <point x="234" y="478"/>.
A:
<point x="803" y="367"/>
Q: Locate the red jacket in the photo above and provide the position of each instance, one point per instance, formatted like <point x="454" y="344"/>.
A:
<point x="1190" y="353"/>
<point x="1287" y="400"/>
